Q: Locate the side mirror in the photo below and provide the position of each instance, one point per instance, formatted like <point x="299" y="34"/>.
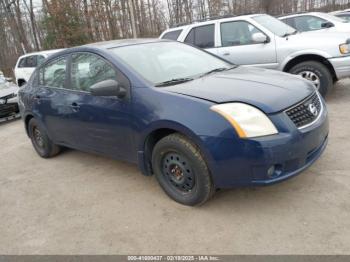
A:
<point x="108" y="88"/>
<point x="327" y="25"/>
<point x="259" y="38"/>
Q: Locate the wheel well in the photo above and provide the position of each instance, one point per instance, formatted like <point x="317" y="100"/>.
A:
<point x="26" y="122"/>
<point x="151" y="140"/>
<point x="20" y="82"/>
<point x="304" y="58"/>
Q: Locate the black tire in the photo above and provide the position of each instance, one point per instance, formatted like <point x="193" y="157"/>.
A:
<point x="320" y="70"/>
<point x="181" y="170"/>
<point x="41" y="142"/>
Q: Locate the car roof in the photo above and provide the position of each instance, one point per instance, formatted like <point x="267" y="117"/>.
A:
<point x="300" y="14"/>
<point x="123" y="42"/>
<point x="340" y="12"/>
<point x="46" y="52"/>
<point x="210" y="21"/>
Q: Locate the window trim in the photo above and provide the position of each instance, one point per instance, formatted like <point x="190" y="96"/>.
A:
<point x="195" y="27"/>
<point x="42" y="66"/>
<point x="235" y="21"/>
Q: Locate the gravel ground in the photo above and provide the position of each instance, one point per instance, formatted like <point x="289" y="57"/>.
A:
<point x="79" y="203"/>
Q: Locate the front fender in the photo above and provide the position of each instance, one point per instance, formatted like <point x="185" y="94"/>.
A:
<point x="143" y="158"/>
<point x="305" y="52"/>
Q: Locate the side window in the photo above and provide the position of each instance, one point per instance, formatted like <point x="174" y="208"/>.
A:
<point x="346" y="17"/>
<point x="31" y="61"/>
<point x="237" y="33"/>
<point x="89" y="69"/>
<point x="53" y="74"/>
<point x="308" y="23"/>
<point x="22" y="63"/>
<point x="190" y="37"/>
<point x="173" y="35"/>
<point x="40" y="59"/>
<point x="202" y="36"/>
<point x="290" y="21"/>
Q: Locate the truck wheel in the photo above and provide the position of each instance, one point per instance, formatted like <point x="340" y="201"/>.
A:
<point x="41" y="142"/>
<point x="317" y="73"/>
<point x="181" y="170"/>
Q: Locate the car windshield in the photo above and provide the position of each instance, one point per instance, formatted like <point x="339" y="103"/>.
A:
<point x="274" y="25"/>
<point x="169" y="62"/>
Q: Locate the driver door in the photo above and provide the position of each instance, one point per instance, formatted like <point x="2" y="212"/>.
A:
<point x="101" y="124"/>
<point x="238" y="46"/>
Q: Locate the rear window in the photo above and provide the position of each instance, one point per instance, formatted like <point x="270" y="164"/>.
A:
<point x="202" y="36"/>
<point x="172" y="35"/>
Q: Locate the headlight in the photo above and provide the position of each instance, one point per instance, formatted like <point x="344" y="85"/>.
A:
<point x="344" y="48"/>
<point x="247" y="120"/>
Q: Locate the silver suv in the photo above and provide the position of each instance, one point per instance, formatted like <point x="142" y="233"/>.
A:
<point x="264" y="41"/>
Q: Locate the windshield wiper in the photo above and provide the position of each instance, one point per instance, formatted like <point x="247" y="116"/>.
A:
<point x="220" y="69"/>
<point x="288" y="34"/>
<point x="174" y="81"/>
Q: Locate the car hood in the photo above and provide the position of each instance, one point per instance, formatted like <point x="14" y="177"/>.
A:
<point x="269" y="90"/>
<point x="327" y="33"/>
<point x="8" y="89"/>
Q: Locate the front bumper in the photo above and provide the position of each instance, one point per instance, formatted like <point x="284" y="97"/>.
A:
<point x="341" y="66"/>
<point x="9" y="108"/>
<point x="246" y="162"/>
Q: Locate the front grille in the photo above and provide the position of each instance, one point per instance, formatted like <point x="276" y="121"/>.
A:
<point x="305" y="112"/>
<point x="8" y="109"/>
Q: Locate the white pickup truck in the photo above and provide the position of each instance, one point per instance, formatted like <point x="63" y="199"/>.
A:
<point x="27" y="63"/>
<point x="264" y="41"/>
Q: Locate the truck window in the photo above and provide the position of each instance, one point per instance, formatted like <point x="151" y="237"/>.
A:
<point x="202" y="36"/>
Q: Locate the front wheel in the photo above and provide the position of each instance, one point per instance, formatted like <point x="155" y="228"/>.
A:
<point x="181" y="170"/>
<point x="317" y="73"/>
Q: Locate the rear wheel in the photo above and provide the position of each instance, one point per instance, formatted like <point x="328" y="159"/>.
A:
<point x="41" y="142"/>
<point x="317" y="73"/>
<point x="181" y="170"/>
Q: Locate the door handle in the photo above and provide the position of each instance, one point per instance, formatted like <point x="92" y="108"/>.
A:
<point x="226" y="53"/>
<point x="75" y="106"/>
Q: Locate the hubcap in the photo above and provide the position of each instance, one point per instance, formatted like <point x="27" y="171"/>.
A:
<point x="311" y="76"/>
<point x="38" y="137"/>
<point x="178" y="172"/>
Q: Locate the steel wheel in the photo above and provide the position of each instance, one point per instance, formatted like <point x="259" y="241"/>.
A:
<point x="178" y="172"/>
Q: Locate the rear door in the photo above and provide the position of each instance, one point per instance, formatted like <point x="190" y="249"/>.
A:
<point x="203" y="37"/>
<point x="52" y="101"/>
<point x="237" y="45"/>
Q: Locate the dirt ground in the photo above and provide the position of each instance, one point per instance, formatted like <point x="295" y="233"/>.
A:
<point x="79" y="203"/>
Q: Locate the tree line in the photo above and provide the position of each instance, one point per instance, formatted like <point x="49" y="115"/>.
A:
<point x="33" y="25"/>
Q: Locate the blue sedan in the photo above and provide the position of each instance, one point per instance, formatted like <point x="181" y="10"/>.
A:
<point x="195" y="121"/>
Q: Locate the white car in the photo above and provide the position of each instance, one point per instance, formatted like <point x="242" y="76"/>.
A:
<point x="8" y="98"/>
<point x="264" y="41"/>
<point x="27" y="63"/>
<point x="345" y="15"/>
<point x="315" y="21"/>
